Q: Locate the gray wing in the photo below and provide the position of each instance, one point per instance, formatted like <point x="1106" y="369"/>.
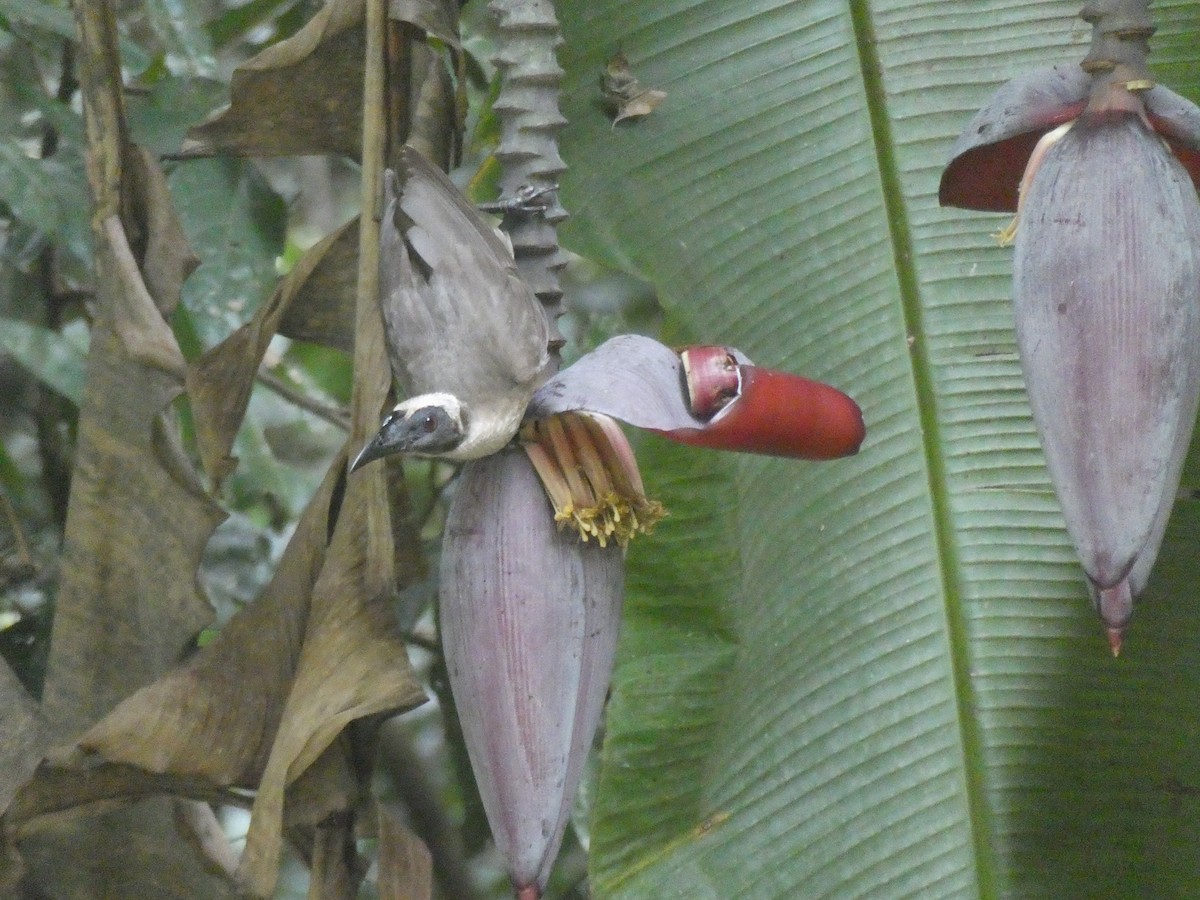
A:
<point x="457" y="316"/>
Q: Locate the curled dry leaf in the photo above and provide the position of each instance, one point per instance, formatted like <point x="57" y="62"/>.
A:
<point x="438" y="18"/>
<point x="137" y="511"/>
<point x="231" y="693"/>
<point x="21" y="740"/>
<point x="624" y="95"/>
<point x="151" y="262"/>
<point x="300" y="96"/>
<point x="405" y="866"/>
<point x="334" y="868"/>
<point x="128" y="604"/>
<point x="265" y="701"/>
<point x="322" y="306"/>
<point x="160" y="242"/>
<point x="352" y="664"/>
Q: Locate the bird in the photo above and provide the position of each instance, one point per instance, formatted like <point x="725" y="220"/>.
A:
<point x="467" y="339"/>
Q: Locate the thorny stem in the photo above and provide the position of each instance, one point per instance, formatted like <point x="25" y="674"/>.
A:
<point x="527" y="106"/>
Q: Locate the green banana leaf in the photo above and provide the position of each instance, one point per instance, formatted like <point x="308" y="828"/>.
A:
<point x="877" y="677"/>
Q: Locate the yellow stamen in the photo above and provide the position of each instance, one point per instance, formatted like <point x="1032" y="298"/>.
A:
<point x="591" y="477"/>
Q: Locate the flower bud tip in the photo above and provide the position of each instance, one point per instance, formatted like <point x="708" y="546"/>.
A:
<point x="1115" y="638"/>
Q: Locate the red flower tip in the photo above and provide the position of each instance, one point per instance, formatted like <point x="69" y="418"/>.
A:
<point x="1115" y="637"/>
<point x="1115" y="606"/>
<point x="780" y="414"/>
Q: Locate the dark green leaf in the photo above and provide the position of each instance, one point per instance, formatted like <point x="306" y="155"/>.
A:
<point x="177" y="25"/>
<point x="48" y="195"/>
<point x="235" y="22"/>
<point x="54" y="358"/>
<point x="159" y="117"/>
<point x="235" y="224"/>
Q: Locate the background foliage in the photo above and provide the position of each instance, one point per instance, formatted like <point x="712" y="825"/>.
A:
<point x="877" y="677"/>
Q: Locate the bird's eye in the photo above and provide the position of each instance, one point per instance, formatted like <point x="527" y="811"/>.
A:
<point x="429" y="423"/>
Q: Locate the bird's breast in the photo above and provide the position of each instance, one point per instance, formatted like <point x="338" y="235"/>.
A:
<point x="490" y="426"/>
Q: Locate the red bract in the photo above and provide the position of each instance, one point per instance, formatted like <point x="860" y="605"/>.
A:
<point x="780" y="414"/>
<point x="989" y="158"/>
<point x="718" y="399"/>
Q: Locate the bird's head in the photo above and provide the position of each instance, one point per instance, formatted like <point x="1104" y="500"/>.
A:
<point x="428" y="425"/>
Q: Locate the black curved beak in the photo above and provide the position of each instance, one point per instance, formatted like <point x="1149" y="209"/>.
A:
<point x="393" y="437"/>
<point x="375" y="449"/>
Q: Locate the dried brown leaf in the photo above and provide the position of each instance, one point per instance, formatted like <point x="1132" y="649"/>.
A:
<point x="405" y="866"/>
<point x="300" y="96"/>
<point x="20" y="735"/>
<point x="229" y="695"/>
<point x="322" y="305"/>
<point x="335" y="869"/>
<point x="70" y="786"/>
<point x="352" y="664"/>
<point x="129" y="603"/>
<point x="641" y="104"/>
<point x="625" y="96"/>
<point x="215" y="717"/>
<point x="123" y="853"/>
<point x="161" y="244"/>
<point x="136" y="320"/>
<point x="210" y="724"/>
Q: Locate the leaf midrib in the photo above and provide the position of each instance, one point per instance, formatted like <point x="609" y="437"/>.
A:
<point x="949" y="564"/>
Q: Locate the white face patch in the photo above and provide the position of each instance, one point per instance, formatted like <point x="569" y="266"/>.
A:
<point x="448" y="402"/>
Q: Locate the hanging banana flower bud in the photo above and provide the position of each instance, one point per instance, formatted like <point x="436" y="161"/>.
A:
<point x="529" y="621"/>
<point x="1106" y="288"/>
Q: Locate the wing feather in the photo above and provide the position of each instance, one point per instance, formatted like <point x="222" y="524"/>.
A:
<point x="458" y="317"/>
